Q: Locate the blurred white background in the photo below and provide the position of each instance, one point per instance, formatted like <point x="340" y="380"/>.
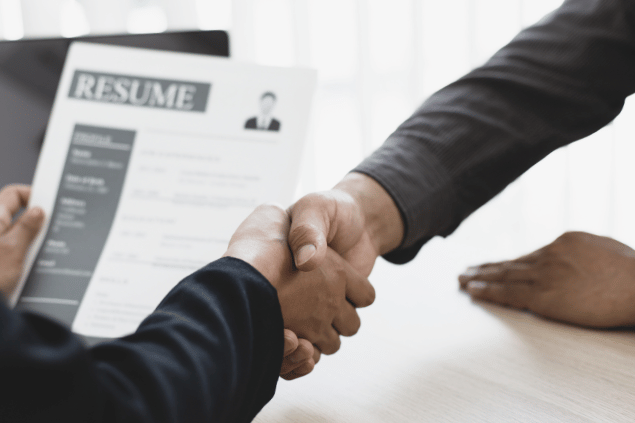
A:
<point x="377" y="60"/>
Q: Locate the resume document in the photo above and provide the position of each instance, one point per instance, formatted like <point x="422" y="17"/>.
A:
<point x="150" y="162"/>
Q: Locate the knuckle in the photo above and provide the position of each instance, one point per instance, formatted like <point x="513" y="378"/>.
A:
<point x="8" y="189"/>
<point x="271" y="206"/>
<point x="369" y="296"/>
<point x="314" y="199"/>
<point x="311" y="201"/>
<point x="308" y="368"/>
<point x="331" y="347"/>
<point x="372" y="295"/>
<point x="570" y="236"/>
<point x="289" y="376"/>
<point x="286" y="367"/>
<point x="354" y="329"/>
<point x="305" y="348"/>
<point x="7" y="247"/>
<point x="271" y="209"/>
<point x="304" y="232"/>
<point x="567" y="235"/>
<point x="347" y="331"/>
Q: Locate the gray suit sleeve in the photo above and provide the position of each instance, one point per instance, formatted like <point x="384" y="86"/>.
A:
<point x="556" y="82"/>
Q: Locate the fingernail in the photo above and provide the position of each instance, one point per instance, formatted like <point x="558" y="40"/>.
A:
<point x="35" y="213"/>
<point x="470" y="271"/>
<point x="305" y="253"/>
<point x="475" y="285"/>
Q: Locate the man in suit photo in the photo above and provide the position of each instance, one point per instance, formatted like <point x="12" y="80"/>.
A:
<point x="264" y="121"/>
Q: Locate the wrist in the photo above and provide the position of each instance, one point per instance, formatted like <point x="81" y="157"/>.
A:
<point x="382" y="219"/>
<point x="249" y="253"/>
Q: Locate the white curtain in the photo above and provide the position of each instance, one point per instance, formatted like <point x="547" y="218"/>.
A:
<point x="377" y="60"/>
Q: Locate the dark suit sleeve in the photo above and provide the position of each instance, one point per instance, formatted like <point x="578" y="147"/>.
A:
<point x="211" y="352"/>
<point x="556" y="82"/>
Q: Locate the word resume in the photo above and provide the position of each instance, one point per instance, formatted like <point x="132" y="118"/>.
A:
<point x="151" y="160"/>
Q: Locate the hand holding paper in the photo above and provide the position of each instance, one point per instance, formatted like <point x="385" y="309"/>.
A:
<point x="15" y="237"/>
<point x="146" y="171"/>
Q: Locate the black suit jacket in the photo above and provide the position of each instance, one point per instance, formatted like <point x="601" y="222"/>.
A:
<point x="211" y="352"/>
<point x="253" y="124"/>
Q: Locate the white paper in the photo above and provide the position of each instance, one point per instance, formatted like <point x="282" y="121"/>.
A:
<point x="148" y="186"/>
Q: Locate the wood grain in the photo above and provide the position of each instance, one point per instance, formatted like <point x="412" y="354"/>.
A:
<point x="426" y="353"/>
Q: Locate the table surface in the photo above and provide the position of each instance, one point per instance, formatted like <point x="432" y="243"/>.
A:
<point x="427" y="353"/>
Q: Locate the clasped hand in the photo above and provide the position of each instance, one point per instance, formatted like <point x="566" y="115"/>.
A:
<point x="317" y="305"/>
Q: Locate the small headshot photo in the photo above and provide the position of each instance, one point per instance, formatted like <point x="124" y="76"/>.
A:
<point x="265" y="121"/>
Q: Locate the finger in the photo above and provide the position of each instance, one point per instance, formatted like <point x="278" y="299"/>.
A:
<point x="24" y="231"/>
<point x="302" y="354"/>
<point x="347" y="322"/>
<point x="12" y="199"/>
<point x="310" y="225"/>
<point x="359" y="291"/>
<point x="331" y="343"/>
<point x="288" y="366"/>
<point x="290" y="342"/>
<point x="532" y="257"/>
<point x="303" y="370"/>
<point x="507" y="271"/>
<point x="515" y="295"/>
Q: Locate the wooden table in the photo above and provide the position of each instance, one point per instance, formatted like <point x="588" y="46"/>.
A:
<point x="427" y="353"/>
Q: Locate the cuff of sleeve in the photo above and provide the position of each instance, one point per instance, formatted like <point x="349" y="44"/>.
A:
<point x="419" y="186"/>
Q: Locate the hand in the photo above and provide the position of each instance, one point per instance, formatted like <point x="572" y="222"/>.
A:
<point x="16" y="237"/>
<point x="300" y="357"/>
<point x="580" y="278"/>
<point x="315" y="305"/>
<point x="357" y="219"/>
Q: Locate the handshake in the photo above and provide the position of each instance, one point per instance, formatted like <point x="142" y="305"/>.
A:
<point x="318" y="255"/>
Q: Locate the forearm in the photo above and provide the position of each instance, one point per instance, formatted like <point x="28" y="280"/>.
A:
<point x="556" y="82"/>
<point x="211" y="352"/>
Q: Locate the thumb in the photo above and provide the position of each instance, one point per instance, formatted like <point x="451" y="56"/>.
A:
<point x="310" y="225"/>
<point x="24" y="231"/>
